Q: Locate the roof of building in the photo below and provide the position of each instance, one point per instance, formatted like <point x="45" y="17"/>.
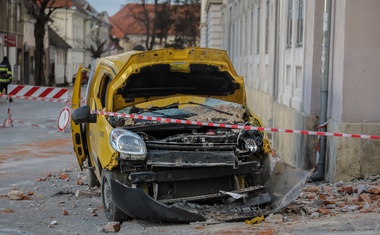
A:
<point x="126" y="20"/>
<point x="116" y="30"/>
<point x="82" y="6"/>
<point x="56" y="40"/>
<point x="129" y="20"/>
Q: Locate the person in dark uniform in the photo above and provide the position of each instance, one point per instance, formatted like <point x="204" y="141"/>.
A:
<point x="5" y="75"/>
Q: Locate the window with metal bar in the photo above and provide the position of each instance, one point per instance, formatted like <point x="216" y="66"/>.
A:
<point x="289" y="30"/>
<point x="258" y="31"/>
<point x="266" y="26"/>
<point x="300" y="22"/>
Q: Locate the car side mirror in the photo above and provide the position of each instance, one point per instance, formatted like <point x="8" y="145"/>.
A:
<point x="83" y="115"/>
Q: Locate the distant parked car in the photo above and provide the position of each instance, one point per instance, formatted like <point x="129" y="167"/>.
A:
<point x="84" y="77"/>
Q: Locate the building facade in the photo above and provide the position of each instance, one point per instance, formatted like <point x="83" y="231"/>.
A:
<point x="277" y="47"/>
<point x="12" y="35"/>
<point x="83" y="28"/>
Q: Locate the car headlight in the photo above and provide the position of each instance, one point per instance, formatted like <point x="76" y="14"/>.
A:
<point x="250" y="145"/>
<point x="130" y="145"/>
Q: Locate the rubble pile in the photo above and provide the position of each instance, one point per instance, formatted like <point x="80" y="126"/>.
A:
<point x="225" y="114"/>
<point x="324" y="199"/>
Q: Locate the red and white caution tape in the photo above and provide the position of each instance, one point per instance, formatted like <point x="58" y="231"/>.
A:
<point x="210" y="124"/>
<point x="37" y="91"/>
<point x="36" y="98"/>
<point x="35" y="125"/>
<point x="50" y="94"/>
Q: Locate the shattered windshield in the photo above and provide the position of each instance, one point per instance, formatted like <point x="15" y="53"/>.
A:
<point x="213" y="110"/>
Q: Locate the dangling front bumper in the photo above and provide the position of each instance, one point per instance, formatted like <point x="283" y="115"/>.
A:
<point x="281" y="189"/>
<point x="137" y="204"/>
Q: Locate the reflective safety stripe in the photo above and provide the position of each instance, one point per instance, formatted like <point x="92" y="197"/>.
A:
<point x="5" y="74"/>
<point x="4" y="80"/>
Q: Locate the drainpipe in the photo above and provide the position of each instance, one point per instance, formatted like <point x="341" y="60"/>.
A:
<point x="276" y="57"/>
<point x="325" y="59"/>
<point x="8" y="15"/>
<point x="65" y="59"/>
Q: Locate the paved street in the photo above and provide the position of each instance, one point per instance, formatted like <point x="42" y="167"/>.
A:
<point x="39" y="161"/>
<point x="29" y="149"/>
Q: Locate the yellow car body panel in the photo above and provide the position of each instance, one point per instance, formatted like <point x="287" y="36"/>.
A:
<point x="76" y="131"/>
<point x="134" y="62"/>
<point x="98" y="133"/>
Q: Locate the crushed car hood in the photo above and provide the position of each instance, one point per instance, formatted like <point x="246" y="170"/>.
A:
<point x="148" y="76"/>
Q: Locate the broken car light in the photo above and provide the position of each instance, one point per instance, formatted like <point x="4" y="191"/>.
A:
<point x="128" y="144"/>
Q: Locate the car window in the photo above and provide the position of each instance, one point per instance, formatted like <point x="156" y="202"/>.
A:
<point x="92" y="71"/>
<point x="103" y="89"/>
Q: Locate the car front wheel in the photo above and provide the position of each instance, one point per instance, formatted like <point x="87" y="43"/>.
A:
<point x="113" y="213"/>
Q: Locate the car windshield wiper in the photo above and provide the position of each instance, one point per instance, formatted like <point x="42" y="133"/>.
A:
<point x="170" y="106"/>
<point x="159" y="113"/>
<point x="135" y="109"/>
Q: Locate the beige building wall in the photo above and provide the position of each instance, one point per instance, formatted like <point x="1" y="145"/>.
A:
<point x="281" y="62"/>
<point x="354" y="89"/>
<point x="79" y="30"/>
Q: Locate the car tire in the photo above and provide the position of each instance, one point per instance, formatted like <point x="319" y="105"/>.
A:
<point x="91" y="176"/>
<point x="113" y="213"/>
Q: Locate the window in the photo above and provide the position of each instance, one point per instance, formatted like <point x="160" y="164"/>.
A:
<point x="290" y="24"/>
<point x="252" y="31"/>
<point x="18" y="13"/>
<point x="288" y="76"/>
<point x="232" y="38"/>
<point x="103" y="90"/>
<point x="266" y="26"/>
<point x="300" y="19"/>
<point x="298" y="77"/>
<point x="258" y="31"/>
<point x="32" y="63"/>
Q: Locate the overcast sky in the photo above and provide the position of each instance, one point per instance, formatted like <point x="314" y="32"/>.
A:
<point x="111" y="6"/>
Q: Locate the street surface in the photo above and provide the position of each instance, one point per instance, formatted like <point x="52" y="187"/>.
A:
<point x="38" y="162"/>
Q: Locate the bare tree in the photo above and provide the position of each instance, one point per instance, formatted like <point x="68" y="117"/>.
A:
<point x="98" y="43"/>
<point x="148" y="13"/>
<point x="186" y="14"/>
<point x="41" y="11"/>
<point x="158" y="18"/>
<point x="163" y="21"/>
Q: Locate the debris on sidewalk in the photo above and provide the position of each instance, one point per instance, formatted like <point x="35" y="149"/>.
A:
<point x="323" y="199"/>
<point x="111" y="227"/>
<point x="81" y="193"/>
<point x="255" y="220"/>
<point x="16" y="195"/>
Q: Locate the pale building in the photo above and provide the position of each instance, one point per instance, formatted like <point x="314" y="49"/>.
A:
<point x="277" y="47"/>
<point x="81" y="26"/>
<point x="11" y="35"/>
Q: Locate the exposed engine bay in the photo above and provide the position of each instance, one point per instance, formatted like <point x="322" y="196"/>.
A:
<point x="199" y="168"/>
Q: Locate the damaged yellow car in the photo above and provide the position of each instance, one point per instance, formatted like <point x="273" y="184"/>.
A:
<point x="147" y="130"/>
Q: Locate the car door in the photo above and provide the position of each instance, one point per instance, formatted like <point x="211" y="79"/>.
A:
<point x="98" y="133"/>
<point x="77" y="131"/>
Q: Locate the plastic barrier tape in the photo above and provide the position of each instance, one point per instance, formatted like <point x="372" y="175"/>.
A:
<point x="37" y="92"/>
<point x="267" y="129"/>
